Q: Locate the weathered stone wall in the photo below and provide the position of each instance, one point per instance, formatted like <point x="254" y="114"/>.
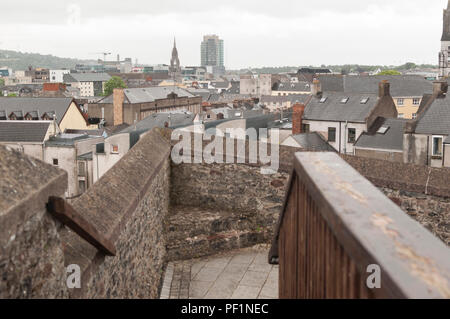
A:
<point x="400" y="176"/>
<point x="218" y="207"/>
<point x="129" y="205"/>
<point x="31" y="255"/>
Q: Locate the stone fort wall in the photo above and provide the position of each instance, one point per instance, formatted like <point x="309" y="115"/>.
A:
<point x="136" y="206"/>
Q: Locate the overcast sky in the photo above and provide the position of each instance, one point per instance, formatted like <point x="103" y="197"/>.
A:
<point x="256" y="32"/>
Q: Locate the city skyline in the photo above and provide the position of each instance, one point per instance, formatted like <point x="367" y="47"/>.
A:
<point x="291" y="33"/>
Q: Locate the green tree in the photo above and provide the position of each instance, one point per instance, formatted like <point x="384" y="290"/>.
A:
<point x="114" y="83"/>
<point x="2" y="82"/>
<point x="12" y="95"/>
<point x="389" y="72"/>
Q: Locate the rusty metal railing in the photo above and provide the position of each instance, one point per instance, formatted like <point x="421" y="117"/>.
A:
<point x="340" y="237"/>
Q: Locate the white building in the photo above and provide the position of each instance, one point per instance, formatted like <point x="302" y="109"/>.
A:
<point x="444" y="55"/>
<point x="57" y="76"/>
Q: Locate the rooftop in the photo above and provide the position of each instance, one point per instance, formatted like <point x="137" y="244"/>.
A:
<point x="66" y="139"/>
<point x="401" y="85"/>
<point x="24" y="131"/>
<point x="330" y="107"/>
<point x="159" y="120"/>
<point x="435" y="119"/>
<point x="150" y="94"/>
<point x="312" y="142"/>
<point x="384" y="134"/>
<point x="41" y="105"/>
<point x="86" y="77"/>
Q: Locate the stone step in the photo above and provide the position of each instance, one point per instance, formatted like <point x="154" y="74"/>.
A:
<point x="197" y="232"/>
<point x="207" y="245"/>
<point x="190" y="222"/>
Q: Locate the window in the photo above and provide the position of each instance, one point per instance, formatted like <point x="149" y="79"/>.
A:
<point x="401" y="116"/>
<point x="416" y="101"/>
<point x="115" y="149"/>
<point x="55" y="161"/>
<point x="365" y="100"/>
<point x="344" y="100"/>
<point x="81" y="169"/>
<point x="323" y="100"/>
<point x="400" y="102"/>
<point x="305" y="128"/>
<point x="331" y="134"/>
<point x="351" y="135"/>
<point x="437" y="145"/>
<point x="414" y="116"/>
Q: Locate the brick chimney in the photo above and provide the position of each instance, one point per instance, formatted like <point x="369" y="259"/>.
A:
<point x="440" y="88"/>
<point x="316" y="87"/>
<point x="384" y="89"/>
<point x="298" y="111"/>
<point x="118" y="98"/>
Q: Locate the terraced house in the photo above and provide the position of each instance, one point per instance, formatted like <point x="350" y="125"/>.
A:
<point x="65" y="111"/>
<point x="342" y="117"/>
<point x="407" y="91"/>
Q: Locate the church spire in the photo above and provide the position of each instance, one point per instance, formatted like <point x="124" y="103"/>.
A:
<point x="446" y="25"/>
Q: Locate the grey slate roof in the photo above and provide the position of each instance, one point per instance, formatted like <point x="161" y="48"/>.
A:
<point x="67" y="140"/>
<point x="227" y="98"/>
<point x="159" y="119"/>
<point x="148" y="95"/>
<point x="292" y="87"/>
<point x="301" y="98"/>
<point x="332" y="83"/>
<point x="435" y="119"/>
<point x="42" y="105"/>
<point x="401" y="85"/>
<point x="23" y="131"/>
<point x="333" y="110"/>
<point x="312" y="142"/>
<point x="86" y="77"/>
<point x="204" y="93"/>
<point x="391" y="140"/>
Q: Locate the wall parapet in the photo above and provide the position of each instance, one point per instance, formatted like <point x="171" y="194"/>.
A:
<point x="31" y="257"/>
<point x="400" y="176"/>
<point x="128" y="205"/>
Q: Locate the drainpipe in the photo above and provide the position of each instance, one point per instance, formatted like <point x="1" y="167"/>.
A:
<point x="345" y="137"/>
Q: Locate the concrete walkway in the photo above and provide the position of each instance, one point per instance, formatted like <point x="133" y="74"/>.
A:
<point x="241" y="274"/>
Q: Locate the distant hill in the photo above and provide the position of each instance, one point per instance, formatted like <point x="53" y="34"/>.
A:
<point x="343" y="68"/>
<point x="21" y="61"/>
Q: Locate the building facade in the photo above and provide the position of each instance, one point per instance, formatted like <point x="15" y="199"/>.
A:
<point x="444" y="68"/>
<point x="212" y="52"/>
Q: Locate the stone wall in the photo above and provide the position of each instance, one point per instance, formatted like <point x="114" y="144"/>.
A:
<point x="128" y="205"/>
<point x="31" y="254"/>
<point x="400" y="176"/>
<point x="218" y="207"/>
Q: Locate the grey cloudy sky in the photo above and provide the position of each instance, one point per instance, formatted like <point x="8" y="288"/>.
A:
<point x="256" y="32"/>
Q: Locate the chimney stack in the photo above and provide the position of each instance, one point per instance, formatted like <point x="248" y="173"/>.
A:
<point x="440" y="88"/>
<point x="384" y="89"/>
<point x="297" y="118"/>
<point x="118" y="99"/>
<point x="316" y="87"/>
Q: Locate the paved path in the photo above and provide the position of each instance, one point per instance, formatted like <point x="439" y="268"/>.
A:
<point x="241" y="274"/>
